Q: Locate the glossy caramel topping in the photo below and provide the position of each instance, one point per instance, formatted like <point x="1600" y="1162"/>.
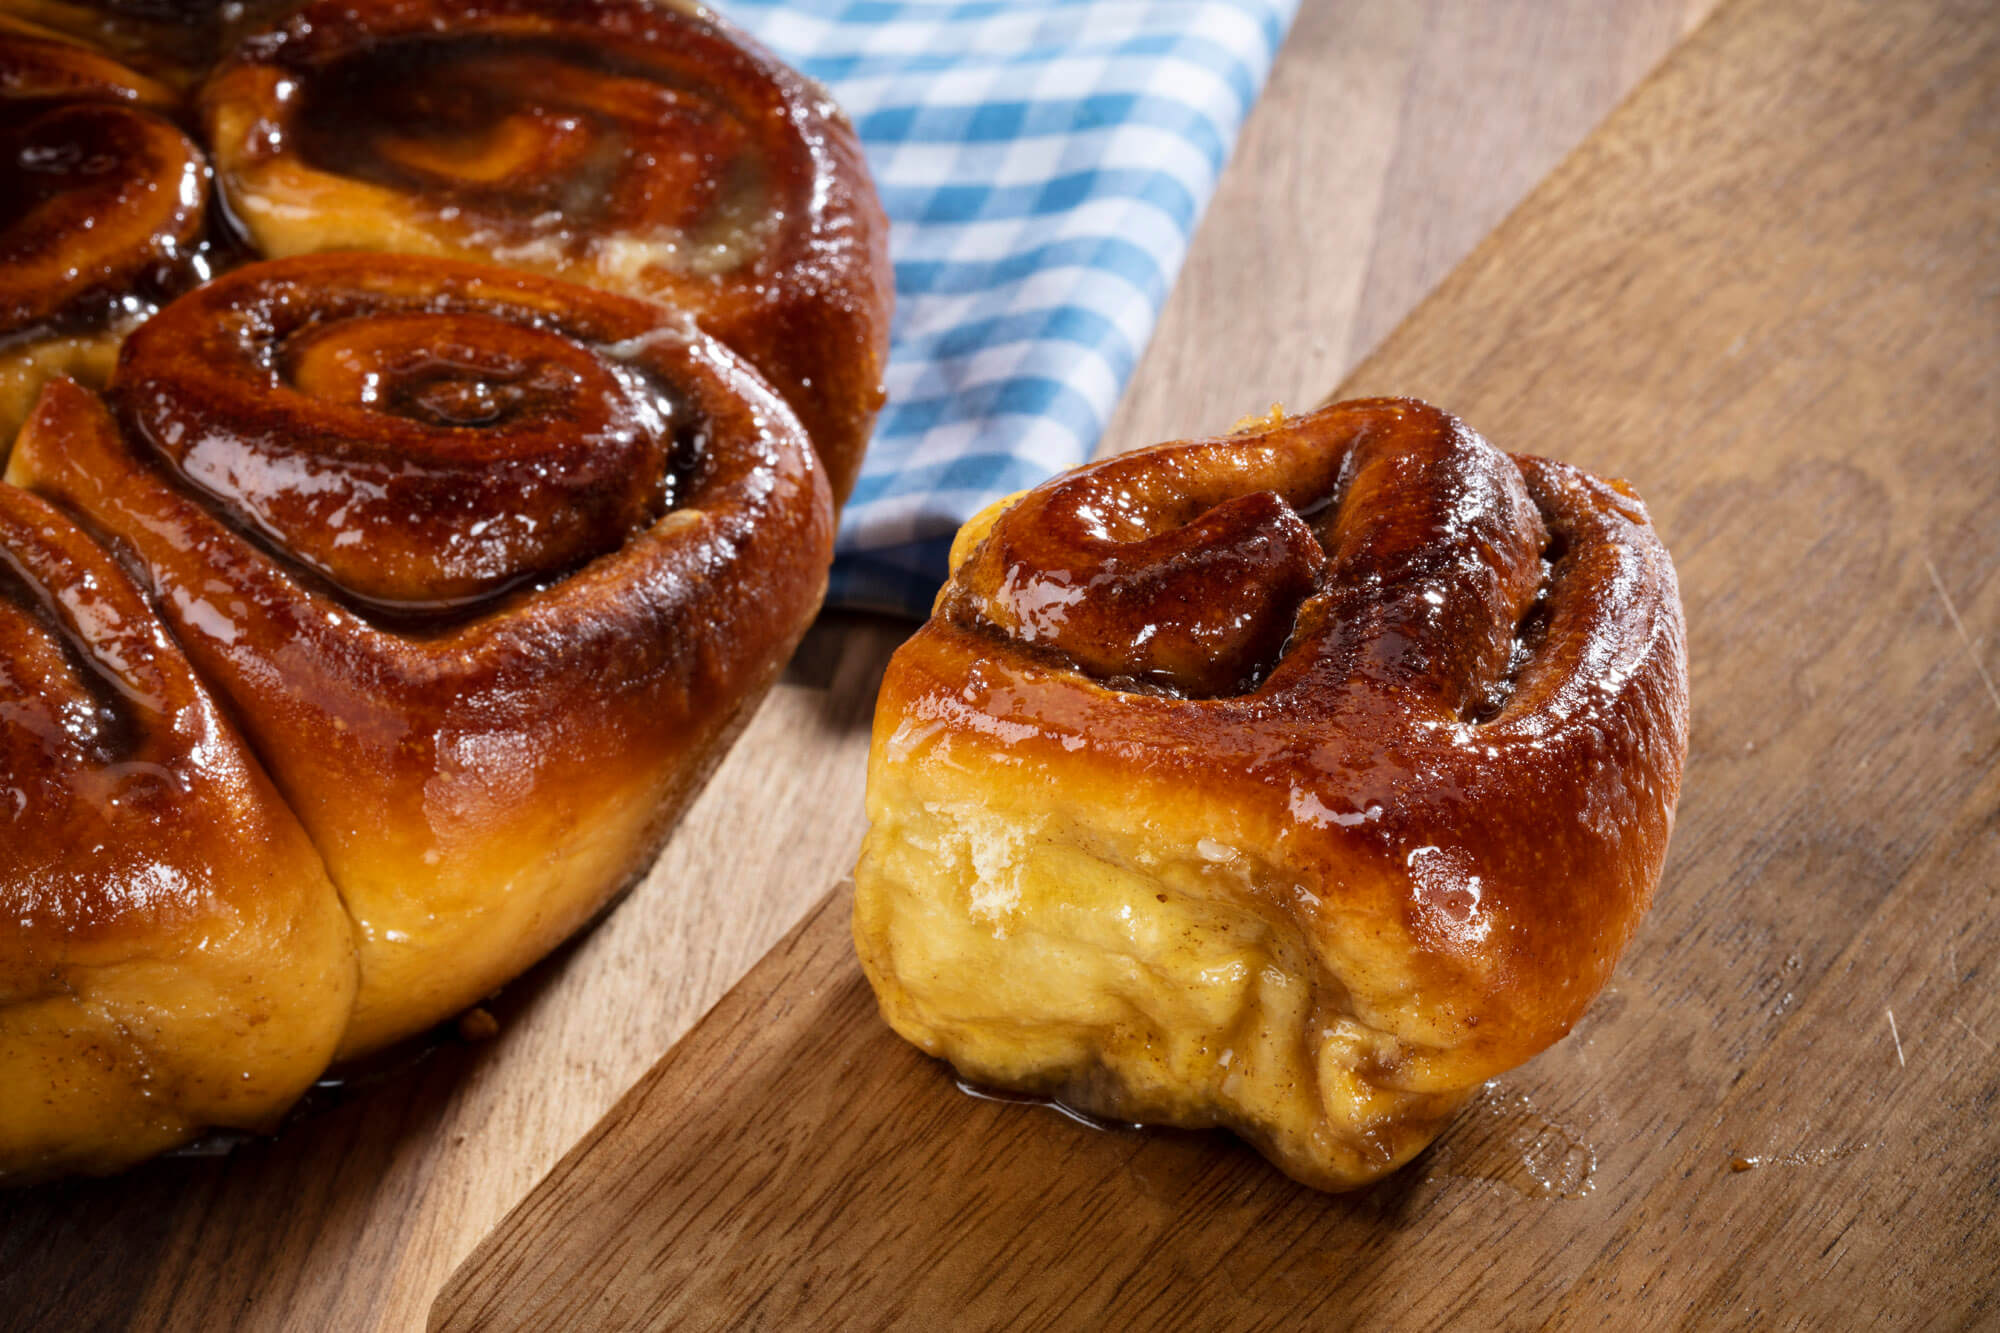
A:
<point x="539" y="140"/>
<point x="101" y="736"/>
<point x="37" y="63"/>
<point x="101" y="198"/>
<point x="633" y="137"/>
<point x="1379" y="539"/>
<point x="422" y="433"/>
<point x="170" y="40"/>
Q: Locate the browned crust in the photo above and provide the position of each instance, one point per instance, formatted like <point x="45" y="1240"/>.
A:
<point x="116" y="761"/>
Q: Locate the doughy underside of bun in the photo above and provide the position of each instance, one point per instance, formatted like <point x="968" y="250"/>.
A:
<point x="1077" y="949"/>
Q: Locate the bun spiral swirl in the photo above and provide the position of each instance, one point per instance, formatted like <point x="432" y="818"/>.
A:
<point x="172" y="955"/>
<point x="1297" y="781"/>
<point x="489" y="567"/>
<point x="102" y="205"/>
<point x="641" y="148"/>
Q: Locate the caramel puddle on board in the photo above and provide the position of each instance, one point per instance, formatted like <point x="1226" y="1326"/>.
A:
<point x="1162" y="1163"/>
<point x="1799" y="1157"/>
<point x="1501" y="1137"/>
<point x="1083" y="1118"/>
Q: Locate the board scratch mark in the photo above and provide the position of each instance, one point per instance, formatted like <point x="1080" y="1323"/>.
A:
<point x="1970" y="1033"/>
<point x="1965" y="638"/>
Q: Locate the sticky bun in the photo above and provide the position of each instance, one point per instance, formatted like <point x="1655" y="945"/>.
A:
<point x="489" y="568"/>
<point x="1295" y="782"/>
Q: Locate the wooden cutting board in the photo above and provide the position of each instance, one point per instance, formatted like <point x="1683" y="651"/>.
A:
<point x="1765" y="291"/>
<point x="1385" y="129"/>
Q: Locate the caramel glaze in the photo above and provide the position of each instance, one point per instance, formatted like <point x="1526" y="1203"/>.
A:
<point x="481" y="781"/>
<point x="137" y="836"/>
<point x="422" y="434"/>
<point x="101" y="196"/>
<point x="1448" y="684"/>
<point x="641" y="148"/>
<point x="105" y="730"/>
<point x="102" y="207"/>
<point x="102" y="203"/>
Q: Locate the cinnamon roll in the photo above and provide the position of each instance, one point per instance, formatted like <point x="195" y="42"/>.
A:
<point x="647" y="149"/>
<point x="1296" y="782"/>
<point x="102" y="203"/>
<point x="490" y="568"/>
<point x="172" y="955"/>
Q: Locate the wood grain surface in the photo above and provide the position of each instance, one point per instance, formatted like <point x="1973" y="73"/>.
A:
<point x="1393" y="135"/>
<point x="1766" y="291"/>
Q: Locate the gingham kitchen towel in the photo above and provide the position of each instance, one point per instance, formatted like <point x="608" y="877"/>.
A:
<point x="1043" y="164"/>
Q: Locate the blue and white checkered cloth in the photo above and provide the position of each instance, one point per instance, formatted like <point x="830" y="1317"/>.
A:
<point x="1043" y="164"/>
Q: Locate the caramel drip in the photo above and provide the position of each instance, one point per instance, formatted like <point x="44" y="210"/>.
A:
<point x="54" y="695"/>
<point x="1373" y="544"/>
<point x="423" y="434"/>
<point x="102" y="198"/>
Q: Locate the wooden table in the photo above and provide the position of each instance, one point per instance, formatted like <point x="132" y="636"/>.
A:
<point x="1394" y="135"/>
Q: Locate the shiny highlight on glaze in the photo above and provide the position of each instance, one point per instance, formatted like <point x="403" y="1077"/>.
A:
<point x="422" y="434"/>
